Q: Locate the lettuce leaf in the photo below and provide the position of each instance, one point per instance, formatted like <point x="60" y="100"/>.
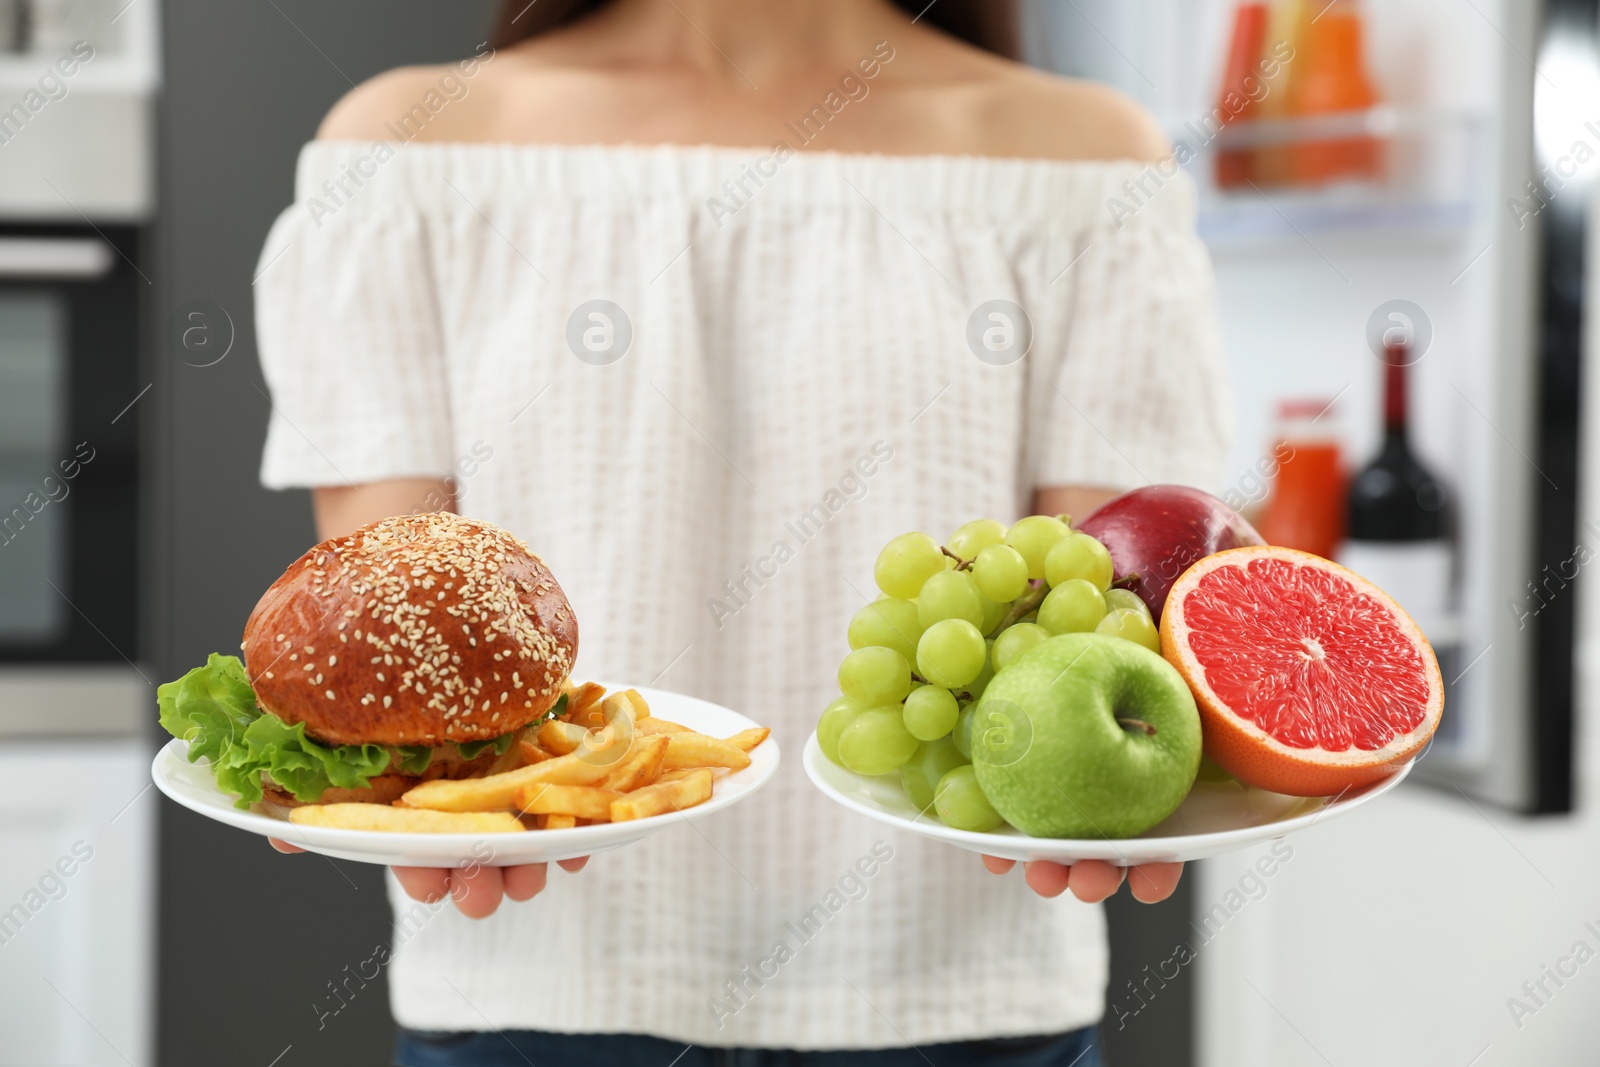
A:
<point x="474" y="749"/>
<point x="214" y="709"/>
<point x="414" y="759"/>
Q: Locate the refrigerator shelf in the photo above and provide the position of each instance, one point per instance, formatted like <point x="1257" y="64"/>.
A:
<point x="1429" y="181"/>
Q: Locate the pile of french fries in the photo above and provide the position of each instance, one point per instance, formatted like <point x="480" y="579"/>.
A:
<point x="605" y="759"/>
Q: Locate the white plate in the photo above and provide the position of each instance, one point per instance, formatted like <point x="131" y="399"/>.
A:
<point x="191" y="785"/>
<point x="1214" y="818"/>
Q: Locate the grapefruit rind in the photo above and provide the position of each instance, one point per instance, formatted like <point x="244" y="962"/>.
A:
<point x="1254" y="756"/>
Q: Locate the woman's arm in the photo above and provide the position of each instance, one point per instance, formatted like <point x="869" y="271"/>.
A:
<point x="1074" y="500"/>
<point x="342" y="509"/>
<point x="1090" y="881"/>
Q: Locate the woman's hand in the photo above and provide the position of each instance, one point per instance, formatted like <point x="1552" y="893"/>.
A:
<point x="476" y="890"/>
<point x="1092" y="881"/>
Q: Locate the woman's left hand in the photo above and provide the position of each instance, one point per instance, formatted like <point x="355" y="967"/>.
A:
<point x="1092" y="881"/>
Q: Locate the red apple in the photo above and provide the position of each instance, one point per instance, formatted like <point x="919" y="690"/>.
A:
<point x="1156" y="533"/>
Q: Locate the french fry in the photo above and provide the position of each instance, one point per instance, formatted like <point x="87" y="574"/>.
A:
<point x="560" y="737"/>
<point x="663" y="797"/>
<point x="641" y="767"/>
<point x="582" y="801"/>
<point x="641" y="707"/>
<point x="498" y="792"/>
<point x="582" y="704"/>
<point x="381" y="817"/>
<point x="745" y="740"/>
<point x="628" y="699"/>
<point x="620" y="706"/>
<point x="559" y="822"/>
<point x="690" y="749"/>
<point x="653" y="725"/>
<point x="532" y="751"/>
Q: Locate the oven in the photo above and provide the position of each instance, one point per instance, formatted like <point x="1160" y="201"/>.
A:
<point x="71" y="394"/>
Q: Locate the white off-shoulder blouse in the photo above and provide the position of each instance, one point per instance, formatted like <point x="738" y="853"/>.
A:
<point x="706" y="385"/>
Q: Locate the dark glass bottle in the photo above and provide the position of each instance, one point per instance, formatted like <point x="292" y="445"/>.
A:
<point x="1395" y="497"/>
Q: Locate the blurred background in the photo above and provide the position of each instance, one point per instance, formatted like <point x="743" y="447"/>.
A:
<point x="1396" y="195"/>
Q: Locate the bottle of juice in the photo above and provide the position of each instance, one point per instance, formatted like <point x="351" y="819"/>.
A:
<point x="1306" y="509"/>
<point x="1285" y="36"/>
<point x="1242" y="86"/>
<point x="1333" y="79"/>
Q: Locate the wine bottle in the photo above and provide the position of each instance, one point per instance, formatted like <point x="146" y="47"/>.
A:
<point x="1398" y="525"/>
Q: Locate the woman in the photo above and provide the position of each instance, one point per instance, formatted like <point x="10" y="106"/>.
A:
<point x="662" y="285"/>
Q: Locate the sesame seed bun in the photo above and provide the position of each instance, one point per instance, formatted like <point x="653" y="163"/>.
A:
<point x="417" y="630"/>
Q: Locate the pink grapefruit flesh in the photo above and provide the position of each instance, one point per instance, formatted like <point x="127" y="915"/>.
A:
<point x="1310" y="680"/>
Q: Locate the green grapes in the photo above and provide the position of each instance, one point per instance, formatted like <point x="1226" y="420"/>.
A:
<point x="887" y="623"/>
<point x="835" y="717"/>
<point x="1079" y="556"/>
<point x="1073" y="607"/>
<point x="924" y="652"/>
<point x="1131" y="625"/>
<point x="949" y="595"/>
<point x="920" y="775"/>
<point x="961" y="736"/>
<point x="906" y="562"/>
<point x="976" y="687"/>
<point x="993" y="612"/>
<point x="961" y="803"/>
<point x="876" y="741"/>
<point x="1125" y="598"/>
<point x="874" y="676"/>
<point x="1033" y="538"/>
<point x="951" y="653"/>
<point x="976" y="536"/>
<point x="1016" y="639"/>
<point x="930" y="712"/>
<point x="1001" y="573"/>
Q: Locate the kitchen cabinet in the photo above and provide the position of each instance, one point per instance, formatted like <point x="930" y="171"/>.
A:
<point x="77" y="836"/>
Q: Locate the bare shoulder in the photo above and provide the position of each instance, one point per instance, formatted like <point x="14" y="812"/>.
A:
<point x="378" y="107"/>
<point x="968" y="101"/>
<point x="1028" y="112"/>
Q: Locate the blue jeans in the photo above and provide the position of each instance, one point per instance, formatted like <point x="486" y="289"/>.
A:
<point x="519" y="1048"/>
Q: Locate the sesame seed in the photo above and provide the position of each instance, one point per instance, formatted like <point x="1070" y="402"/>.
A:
<point x="387" y="700"/>
<point x="332" y="660"/>
<point x="329" y="694"/>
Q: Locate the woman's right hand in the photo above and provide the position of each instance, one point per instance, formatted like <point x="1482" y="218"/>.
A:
<point x="477" y="890"/>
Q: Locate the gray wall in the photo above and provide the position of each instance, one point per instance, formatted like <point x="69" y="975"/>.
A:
<point x="249" y="939"/>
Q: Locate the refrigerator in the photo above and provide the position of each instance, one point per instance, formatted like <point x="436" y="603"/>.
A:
<point x="1414" y="932"/>
<point x="1468" y="239"/>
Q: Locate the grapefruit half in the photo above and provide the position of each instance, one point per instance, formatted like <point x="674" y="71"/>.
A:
<point x="1310" y="679"/>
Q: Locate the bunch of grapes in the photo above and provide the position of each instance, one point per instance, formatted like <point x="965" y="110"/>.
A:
<point x="949" y="618"/>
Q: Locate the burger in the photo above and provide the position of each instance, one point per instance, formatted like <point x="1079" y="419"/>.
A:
<point x="415" y="648"/>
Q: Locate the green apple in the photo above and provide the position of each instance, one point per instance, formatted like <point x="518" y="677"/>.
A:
<point x="1086" y="736"/>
